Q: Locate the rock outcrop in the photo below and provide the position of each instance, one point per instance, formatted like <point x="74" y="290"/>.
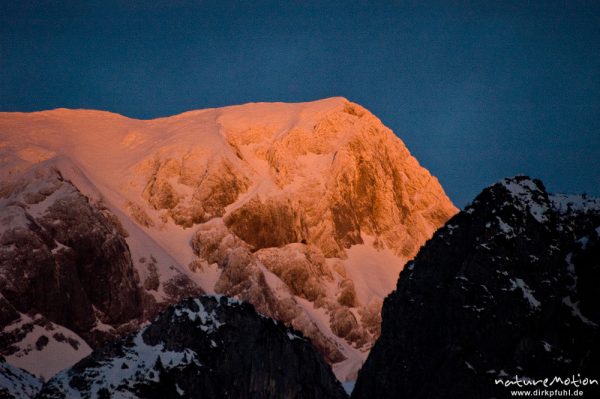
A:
<point x="209" y="347"/>
<point x="63" y="262"/>
<point x="504" y="289"/>
<point x="63" y="257"/>
<point x="320" y="186"/>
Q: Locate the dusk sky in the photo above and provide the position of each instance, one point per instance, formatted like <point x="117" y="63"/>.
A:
<point x="477" y="90"/>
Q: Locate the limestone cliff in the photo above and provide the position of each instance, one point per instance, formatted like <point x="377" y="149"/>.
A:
<point x="308" y="211"/>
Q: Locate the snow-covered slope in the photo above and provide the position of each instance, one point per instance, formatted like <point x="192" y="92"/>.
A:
<point x="16" y="383"/>
<point x="42" y="347"/>
<point x="309" y="211"/>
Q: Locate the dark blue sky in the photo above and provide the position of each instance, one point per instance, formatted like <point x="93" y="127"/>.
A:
<point x="477" y="90"/>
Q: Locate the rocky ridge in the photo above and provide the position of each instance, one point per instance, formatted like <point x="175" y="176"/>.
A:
<point x="210" y="347"/>
<point x="504" y="289"/>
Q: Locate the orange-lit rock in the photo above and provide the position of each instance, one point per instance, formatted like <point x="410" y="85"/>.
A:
<point x="307" y="210"/>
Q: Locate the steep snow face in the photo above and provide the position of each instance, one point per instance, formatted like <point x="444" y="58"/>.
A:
<point x="309" y="211"/>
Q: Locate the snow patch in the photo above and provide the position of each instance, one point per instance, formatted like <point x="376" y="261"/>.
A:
<point x="523" y="191"/>
<point x="470" y="366"/>
<point x="527" y="292"/>
<point x="505" y="227"/>
<point x="564" y="203"/>
<point x="584" y="242"/>
<point x="63" y="348"/>
<point x="547" y="346"/>
<point x="349" y="386"/>
<point x="574" y="306"/>
<point x="373" y="271"/>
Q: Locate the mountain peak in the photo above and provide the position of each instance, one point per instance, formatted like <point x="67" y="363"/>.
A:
<point x="527" y="195"/>
<point x="308" y="210"/>
<point x="507" y="287"/>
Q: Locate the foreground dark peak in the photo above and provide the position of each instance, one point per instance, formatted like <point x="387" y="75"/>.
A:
<point x="505" y="289"/>
<point x="209" y="347"/>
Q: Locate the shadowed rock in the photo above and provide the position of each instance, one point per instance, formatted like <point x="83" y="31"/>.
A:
<point x="503" y="290"/>
<point x="209" y="347"/>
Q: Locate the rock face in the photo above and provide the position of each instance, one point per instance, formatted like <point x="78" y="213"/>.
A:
<point x="63" y="260"/>
<point x="209" y="347"/>
<point x="61" y="255"/>
<point x="504" y="289"/>
<point x="308" y="211"/>
<point x="332" y="179"/>
<point x="16" y="383"/>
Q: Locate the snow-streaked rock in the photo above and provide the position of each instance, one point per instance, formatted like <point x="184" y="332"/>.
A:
<point x="209" y="347"/>
<point x="64" y="268"/>
<point x="506" y="288"/>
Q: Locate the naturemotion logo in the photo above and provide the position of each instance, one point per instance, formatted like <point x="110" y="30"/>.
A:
<point x="557" y="386"/>
<point x="524" y="382"/>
